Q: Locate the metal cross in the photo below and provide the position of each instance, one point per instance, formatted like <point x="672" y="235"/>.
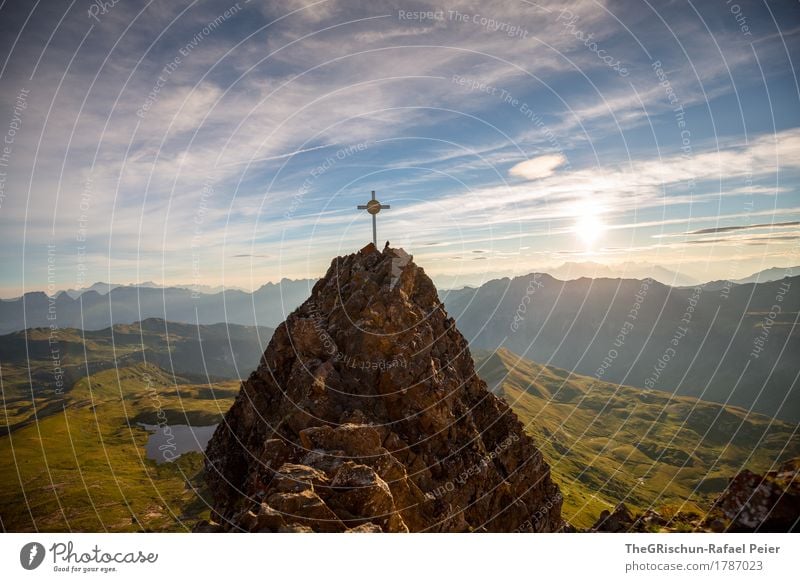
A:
<point x="374" y="207"/>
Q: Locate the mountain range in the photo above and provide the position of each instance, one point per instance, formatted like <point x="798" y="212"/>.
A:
<point x="103" y="304"/>
<point x="103" y="288"/>
<point x="771" y="274"/>
<point x="91" y="310"/>
<point x="605" y="443"/>
<point x="737" y="345"/>
<point x="627" y="270"/>
<point x="722" y="342"/>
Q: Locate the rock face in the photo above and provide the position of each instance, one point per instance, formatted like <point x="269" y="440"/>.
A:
<point x="750" y="503"/>
<point x="764" y="503"/>
<point x="621" y="520"/>
<point x="366" y="415"/>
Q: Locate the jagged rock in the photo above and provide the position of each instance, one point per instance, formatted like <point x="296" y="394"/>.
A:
<point x="269" y="519"/>
<point x="767" y="503"/>
<point x="622" y="520"/>
<point x="205" y="526"/>
<point x="296" y="528"/>
<point x="305" y="508"/>
<point x="365" y="528"/>
<point x="292" y="478"/>
<point x="362" y="495"/>
<point x="750" y="503"/>
<point x="650" y="520"/>
<point x="366" y="414"/>
<point x="619" y="520"/>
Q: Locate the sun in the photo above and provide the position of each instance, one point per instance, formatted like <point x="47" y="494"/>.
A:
<point x="589" y="226"/>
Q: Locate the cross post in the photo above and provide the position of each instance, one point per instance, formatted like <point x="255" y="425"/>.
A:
<point x="374" y="207"/>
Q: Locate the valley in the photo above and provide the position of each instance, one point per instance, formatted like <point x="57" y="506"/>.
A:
<point x="605" y="443"/>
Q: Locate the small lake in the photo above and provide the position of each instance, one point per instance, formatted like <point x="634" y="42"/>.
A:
<point x="168" y="442"/>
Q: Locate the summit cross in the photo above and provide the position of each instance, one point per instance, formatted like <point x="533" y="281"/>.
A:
<point x="374" y="207"/>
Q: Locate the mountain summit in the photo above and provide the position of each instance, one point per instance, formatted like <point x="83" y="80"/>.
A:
<point x="366" y="414"/>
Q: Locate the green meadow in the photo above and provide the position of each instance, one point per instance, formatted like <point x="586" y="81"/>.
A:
<point x="607" y="443"/>
<point x="82" y="466"/>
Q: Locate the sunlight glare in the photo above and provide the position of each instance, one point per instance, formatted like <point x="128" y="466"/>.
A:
<point x="589" y="226"/>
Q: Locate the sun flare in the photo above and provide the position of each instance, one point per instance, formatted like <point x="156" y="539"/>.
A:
<point x="589" y="226"/>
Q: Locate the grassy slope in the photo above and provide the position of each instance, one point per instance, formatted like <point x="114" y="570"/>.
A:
<point x="608" y="443"/>
<point x="27" y="367"/>
<point x="82" y="467"/>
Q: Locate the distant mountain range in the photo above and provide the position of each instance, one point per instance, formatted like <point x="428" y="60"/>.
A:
<point x="771" y="274"/>
<point x="628" y="270"/>
<point x="737" y="345"/>
<point x="103" y="304"/>
<point x="765" y="276"/>
<point x="269" y="305"/>
<point x="105" y="288"/>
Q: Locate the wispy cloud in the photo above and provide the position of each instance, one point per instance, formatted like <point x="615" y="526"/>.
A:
<point x="242" y="151"/>
<point x="719" y="229"/>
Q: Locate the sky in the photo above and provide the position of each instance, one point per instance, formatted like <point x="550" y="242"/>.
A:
<point x="229" y="143"/>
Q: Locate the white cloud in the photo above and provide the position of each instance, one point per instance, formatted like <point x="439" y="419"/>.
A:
<point x="540" y="167"/>
<point x="381" y="79"/>
<point x="625" y="188"/>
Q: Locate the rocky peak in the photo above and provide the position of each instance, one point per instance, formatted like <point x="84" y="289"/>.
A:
<point x="366" y="414"/>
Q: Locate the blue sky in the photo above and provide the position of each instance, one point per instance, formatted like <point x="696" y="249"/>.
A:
<point x="225" y="143"/>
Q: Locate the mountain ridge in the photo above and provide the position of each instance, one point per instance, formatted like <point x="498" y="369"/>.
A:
<point x="694" y="341"/>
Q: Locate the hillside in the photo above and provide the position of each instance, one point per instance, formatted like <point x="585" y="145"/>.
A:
<point x="34" y="362"/>
<point x="83" y="467"/>
<point x="737" y="345"/>
<point x="72" y="448"/>
<point x="608" y="444"/>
